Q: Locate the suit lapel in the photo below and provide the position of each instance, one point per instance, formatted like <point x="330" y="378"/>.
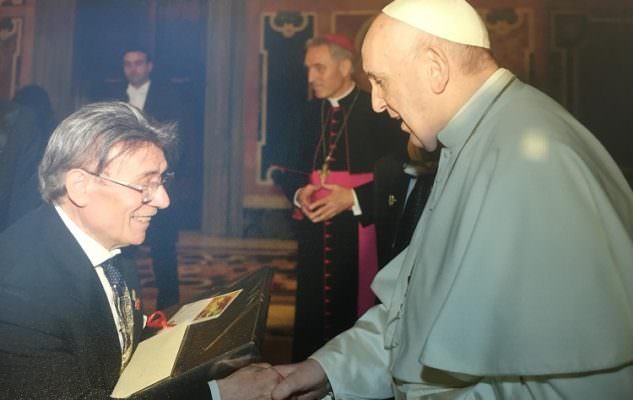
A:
<point x="93" y="326"/>
<point x="150" y="101"/>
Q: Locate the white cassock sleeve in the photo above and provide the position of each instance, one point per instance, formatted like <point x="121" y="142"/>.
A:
<point x="356" y="361"/>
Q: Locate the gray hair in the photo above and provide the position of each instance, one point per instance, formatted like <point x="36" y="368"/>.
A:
<point x="469" y="59"/>
<point x="87" y="136"/>
<point x="337" y="52"/>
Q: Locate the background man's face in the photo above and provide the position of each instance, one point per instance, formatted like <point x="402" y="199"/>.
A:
<point x="326" y="76"/>
<point x="136" y="68"/>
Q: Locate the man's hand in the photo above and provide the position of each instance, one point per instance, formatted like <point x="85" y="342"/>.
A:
<point x="254" y="382"/>
<point x="302" y="381"/>
<point x="339" y="200"/>
<point x="305" y="196"/>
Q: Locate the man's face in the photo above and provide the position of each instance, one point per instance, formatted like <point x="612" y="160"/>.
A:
<point x="136" y="68"/>
<point x="115" y="215"/>
<point x="397" y="82"/>
<point x="326" y="76"/>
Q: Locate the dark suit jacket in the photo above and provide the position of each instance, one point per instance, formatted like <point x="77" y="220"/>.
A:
<point x="57" y="335"/>
<point x="19" y="158"/>
<point x="391" y="185"/>
<point x="390" y="193"/>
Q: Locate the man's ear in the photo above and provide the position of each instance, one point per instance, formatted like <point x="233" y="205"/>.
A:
<point x="150" y="66"/>
<point x="77" y="187"/>
<point x="345" y="67"/>
<point x="437" y="69"/>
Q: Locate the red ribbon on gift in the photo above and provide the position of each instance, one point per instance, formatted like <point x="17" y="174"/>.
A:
<point x="158" y="319"/>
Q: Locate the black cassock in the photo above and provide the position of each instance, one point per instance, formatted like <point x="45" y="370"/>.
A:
<point x="327" y="265"/>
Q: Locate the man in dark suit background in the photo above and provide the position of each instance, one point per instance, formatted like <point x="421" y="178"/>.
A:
<point x="161" y="101"/>
<point x="21" y="146"/>
<point x="70" y="314"/>
<point x="402" y="184"/>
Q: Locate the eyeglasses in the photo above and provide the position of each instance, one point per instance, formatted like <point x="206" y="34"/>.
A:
<point x="147" y="191"/>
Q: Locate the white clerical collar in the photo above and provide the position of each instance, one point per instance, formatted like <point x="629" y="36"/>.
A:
<point x="334" y="100"/>
<point x="93" y="249"/>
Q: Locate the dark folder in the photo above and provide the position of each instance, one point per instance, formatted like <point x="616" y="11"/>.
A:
<point x="199" y="351"/>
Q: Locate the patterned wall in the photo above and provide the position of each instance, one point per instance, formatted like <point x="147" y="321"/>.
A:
<point x="16" y="45"/>
<point x="283" y="88"/>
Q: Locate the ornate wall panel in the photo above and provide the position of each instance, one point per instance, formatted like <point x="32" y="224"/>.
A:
<point x="16" y="45"/>
<point x="592" y="60"/>
<point x="512" y="37"/>
<point x="283" y="37"/>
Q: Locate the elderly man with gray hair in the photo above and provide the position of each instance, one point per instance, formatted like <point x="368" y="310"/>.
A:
<point x="518" y="282"/>
<point x="70" y="309"/>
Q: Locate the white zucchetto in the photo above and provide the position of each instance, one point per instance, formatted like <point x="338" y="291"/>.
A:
<point x="453" y="20"/>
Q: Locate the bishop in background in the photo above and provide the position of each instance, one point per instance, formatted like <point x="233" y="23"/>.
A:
<point x="340" y="140"/>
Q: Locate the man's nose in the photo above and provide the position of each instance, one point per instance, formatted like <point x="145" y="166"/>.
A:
<point x="311" y="76"/>
<point x="377" y="102"/>
<point x="161" y="198"/>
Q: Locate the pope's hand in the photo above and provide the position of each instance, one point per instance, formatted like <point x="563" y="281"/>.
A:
<point x="302" y="381"/>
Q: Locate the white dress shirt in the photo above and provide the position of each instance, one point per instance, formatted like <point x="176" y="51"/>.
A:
<point x="138" y="95"/>
<point x="97" y="254"/>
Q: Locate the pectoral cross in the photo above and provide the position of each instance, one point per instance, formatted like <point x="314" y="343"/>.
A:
<point x="325" y="170"/>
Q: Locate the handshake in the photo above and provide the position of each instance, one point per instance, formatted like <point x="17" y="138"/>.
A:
<point x="302" y="381"/>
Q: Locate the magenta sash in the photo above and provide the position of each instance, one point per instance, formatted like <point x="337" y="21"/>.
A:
<point x="367" y="256"/>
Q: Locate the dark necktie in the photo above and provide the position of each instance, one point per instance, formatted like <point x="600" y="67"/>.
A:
<point x="123" y="303"/>
<point x="410" y="216"/>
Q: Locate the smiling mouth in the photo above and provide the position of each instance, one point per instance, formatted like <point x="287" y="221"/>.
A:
<point x="145" y="219"/>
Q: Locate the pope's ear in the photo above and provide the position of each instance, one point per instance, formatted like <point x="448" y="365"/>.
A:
<point x="77" y="184"/>
<point x="437" y="69"/>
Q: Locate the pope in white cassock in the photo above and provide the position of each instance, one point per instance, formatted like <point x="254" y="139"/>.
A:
<point x="518" y="283"/>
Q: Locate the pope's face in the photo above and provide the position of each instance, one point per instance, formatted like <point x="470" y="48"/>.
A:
<point x="327" y="77"/>
<point x="398" y="84"/>
<point x="136" y="68"/>
<point x="115" y="215"/>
